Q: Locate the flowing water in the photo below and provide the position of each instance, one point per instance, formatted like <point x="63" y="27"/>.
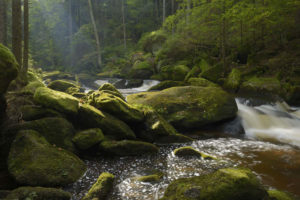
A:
<point x="270" y="147"/>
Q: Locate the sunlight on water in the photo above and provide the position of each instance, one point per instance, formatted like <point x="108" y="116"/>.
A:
<point x="276" y="122"/>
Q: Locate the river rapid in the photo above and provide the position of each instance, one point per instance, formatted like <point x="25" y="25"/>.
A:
<point x="270" y="146"/>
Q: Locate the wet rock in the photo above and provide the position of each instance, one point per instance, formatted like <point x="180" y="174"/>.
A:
<point x="63" y="86"/>
<point x="115" y="106"/>
<point x="106" y="87"/>
<point x="128" y="148"/>
<point x="202" y="82"/>
<point x="31" y="112"/>
<point x="167" y="84"/>
<point x="33" y="161"/>
<point x="56" y="100"/>
<point x="91" y="117"/>
<point x="225" y="184"/>
<point x="190" y="151"/>
<point x="189" y="107"/>
<point x="38" y="193"/>
<point x="150" y="178"/>
<point x="88" y="138"/>
<point x="279" y="195"/>
<point x="101" y="188"/>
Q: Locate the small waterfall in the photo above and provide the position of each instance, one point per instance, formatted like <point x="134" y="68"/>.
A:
<point x="147" y="84"/>
<point x="277" y="122"/>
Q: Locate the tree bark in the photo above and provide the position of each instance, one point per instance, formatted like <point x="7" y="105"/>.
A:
<point x="124" y="24"/>
<point x="96" y="33"/>
<point x="3" y="22"/>
<point x="17" y="31"/>
<point x="26" y="40"/>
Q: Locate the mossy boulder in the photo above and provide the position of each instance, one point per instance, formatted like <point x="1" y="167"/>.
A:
<point x="33" y="161"/>
<point x="115" y="106"/>
<point x="193" y="73"/>
<point x="32" y="112"/>
<point x="156" y="129"/>
<point x="202" y="82"/>
<point x="175" y="73"/>
<point x="224" y="184"/>
<point x="214" y="73"/>
<point x="141" y="70"/>
<point x="128" y="148"/>
<point x="38" y="193"/>
<point x="56" y="100"/>
<point x="261" y="85"/>
<point x="168" y="84"/>
<point x="57" y="131"/>
<point x="106" y="87"/>
<point x="90" y="117"/>
<point x="279" y="195"/>
<point x="8" y="68"/>
<point x="102" y="187"/>
<point x="88" y="138"/>
<point x="62" y="85"/>
<point x="189" y="107"/>
<point x="233" y="80"/>
<point x="152" y="178"/>
<point x="190" y="151"/>
<point x="31" y="87"/>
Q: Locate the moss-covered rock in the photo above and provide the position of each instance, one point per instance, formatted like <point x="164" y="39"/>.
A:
<point x="57" y="131"/>
<point x="193" y="73"/>
<point x="33" y="161"/>
<point x="56" y="100"/>
<point x="91" y="117"/>
<point x="106" y="87"/>
<point x="233" y="80"/>
<point x="128" y="148"/>
<point x="190" y="151"/>
<point x="115" y="106"/>
<point x="141" y="70"/>
<point x="175" y="73"/>
<point x="150" y="178"/>
<point x="189" y="107"/>
<point x="202" y="82"/>
<point x="225" y="184"/>
<point x="261" y="85"/>
<point x="279" y="195"/>
<point x="62" y="85"/>
<point x="101" y="188"/>
<point x="156" y="129"/>
<point x="168" y="84"/>
<point x="31" y="112"/>
<point x="8" y="68"/>
<point x="88" y="138"/>
<point x="31" y="87"/>
<point x="214" y="73"/>
<point x="38" y="193"/>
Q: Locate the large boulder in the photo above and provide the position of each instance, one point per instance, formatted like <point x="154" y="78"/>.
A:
<point x="225" y="184"/>
<point x="64" y="86"/>
<point x="32" y="112"/>
<point x="56" y="100"/>
<point x="91" y="117"/>
<point x="168" y="84"/>
<point x="141" y="70"/>
<point x="102" y="187"/>
<point x="88" y="138"/>
<point x="110" y="88"/>
<point x="57" y="131"/>
<point x="38" y="193"/>
<point x="175" y="73"/>
<point x="261" y="85"/>
<point x="127" y="148"/>
<point x="33" y="161"/>
<point x="189" y="107"/>
<point x="115" y="106"/>
<point x="8" y="68"/>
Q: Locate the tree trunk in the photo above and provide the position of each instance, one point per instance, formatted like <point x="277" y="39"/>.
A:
<point x="26" y="40"/>
<point x="17" y="31"/>
<point x="124" y="24"/>
<point x="70" y="24"/>
<point x="3" y="22"/>
<point x="96" y="33"/>
<point x="164" y="10"/>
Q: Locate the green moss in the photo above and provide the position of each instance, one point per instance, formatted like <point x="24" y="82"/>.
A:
<point x="214" y="73"/>
<point x="225" y="184"/>
<point x="175" y="73"/>
<point x="141" y="70"/>
<point x="33" y="161"/>
<point x="279" y="195"/>
<point x="32" y="76"/>
<point x="150" y="178"/>
<point x="261" y="85"/>
<point x="128" y="148"/>
<point x="38" y="193"/>
<point x="115" y="106"/>
<point x="88" y="138"/>
<point x="8" y="68"/>
<point x="189" y="107"/>
<point x="31" y="87"/>
<point x="64" y="86"/>
<point x="202" y="82"/>
<point x="204" y="65"/>
<point x="30" y="112"/>
<point x="153" y="41"/>
<point x="233" y="80"/>
<point x="56" y="100"/>
<point x="194" y="72"/>
<point x="101" y="188"/>
<point x="91" y="117"/>
<point x="109" y="87"/>
<point x="167" y="84"/>
<point x="57" y="131"/>
<point x="190" y="151"/>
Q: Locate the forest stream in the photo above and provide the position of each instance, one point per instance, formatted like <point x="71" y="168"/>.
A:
<point x="269" y="147"/>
